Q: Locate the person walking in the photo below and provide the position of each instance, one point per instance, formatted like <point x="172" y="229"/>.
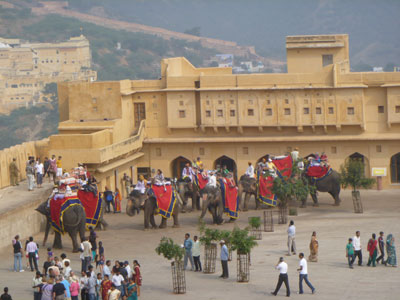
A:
<point x="196" y="254"/>
<point x="92" y="241"/>
<point x="138" y="276"/>
<point x="18" y="252"/>
<point x="86" y="253"/>
<point x="46" y="164"/>
<point x="127" y="184"/>
<point x="13" y="168"/>
<point x="109" y="198"/>
<point x="357" y="248"/>
<point x="373" y="250"/>
<point x="313" y="248"/>
<point x="59" y="172"/>
<point x="31" y="248"/>
<point x="30" y="174"/>
<point x="291" y="231"/>
<point x="391" y="251"/>
<point x="283" y="277"/>
<point x="224" y="260"/>
<point x="303" y="275"/>
<point x="188" y="244"/>
<point x="52" y="170"/>
<point x="350" y="253"/>
<point x="117" y="201"/>
<point x="39" y="168"/>
<point x="381" y="243"/>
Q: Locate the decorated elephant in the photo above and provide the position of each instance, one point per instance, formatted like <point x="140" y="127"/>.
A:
<point x="248" y="186"/>
<point x="212" y="200"/>
<point x="148" y="203"/>
<point x="74" y="223"/>
<point x="328" y="183"/>
<point x="188" y="190"/>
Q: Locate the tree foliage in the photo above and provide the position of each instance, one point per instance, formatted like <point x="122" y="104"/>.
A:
<point x="352" y="174"/>
<point x="255" y="222"/>
<point x="241" y="241"/>
<point x="170" y="250"/>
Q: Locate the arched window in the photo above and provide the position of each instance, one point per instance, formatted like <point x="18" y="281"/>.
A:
<point x="177" y="166"/>
<point x="395" y="168"/>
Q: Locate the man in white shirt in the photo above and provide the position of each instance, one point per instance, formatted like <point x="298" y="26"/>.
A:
<point x="117" y="279"/>
<point x="357" y="248"/>
<point x="250" y="170"/>
<point x="283" y="277"/>
<point x="106" y="269"/>
<point x="295" y="154"/>
<point x="196" y="254"/>
<point x="86" y="254"/>
<point x="291" y="238"/>
<point x="304" y="274"/>
<point x="212" y="180"/>
<point x="128" y="269"/>
<point x="31" y="249"/>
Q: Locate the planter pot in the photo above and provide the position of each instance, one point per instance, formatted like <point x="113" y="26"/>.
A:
<point x="293" y="211"/>
<point x="358" y="208"/>
<point x="283" y="213"/>
<point x="243" y="267"/>
<point x="229" y="251"/>
<point x="178" y="277"/>
<point x="256" y="233"/>
<point x="268" y="221"/>
<point x="210" y="256"/>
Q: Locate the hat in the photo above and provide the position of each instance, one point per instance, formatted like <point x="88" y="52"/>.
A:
<point x="222" y="242"/>
<point x="126" y="262"/>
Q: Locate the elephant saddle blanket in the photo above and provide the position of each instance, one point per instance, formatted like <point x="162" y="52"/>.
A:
<point x="58" y="206"/>
<point x="264" y="190"/>
<point x="92" y="204"/>
<point x="200" y="181"/>
<point x="166" y="199"/>
<point x="318" y="172"/>
<point x="230" y="198"/>
<point x="283" y="165"/>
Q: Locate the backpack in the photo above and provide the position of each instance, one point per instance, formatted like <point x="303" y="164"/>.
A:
<point x="109" y="197"/>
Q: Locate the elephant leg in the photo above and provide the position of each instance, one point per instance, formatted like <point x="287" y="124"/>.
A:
<point x="46" y="233"/>
<point x="315" y="199"/>
<point x="175" y="216"/>
<point x="74" y="234"/>
<point x="204" y="206"/>
<point x="163" y="222"/>
<point x="246" y="201"/>
<point x="219" y="210"/>
<point x="103" y="224"/>
<point x="57" y="244"/>
<point x="258" y="203"/>
<point x="184" y="201"/>
<point x="197" y="200"/>
<point x="153" y="221"/>
<point x="146" y="219"/>
<point x="335" y="196"/>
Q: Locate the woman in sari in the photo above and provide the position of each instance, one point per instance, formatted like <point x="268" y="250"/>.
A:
<point x="137" y="275"/>
<point x="132" y="289"/>
<point x="313" y="248"/>
<point x="105" y="287"/>
<point x="391" y="251"/>
<point x="373" y="250"/>
<point x="117" y="201"/>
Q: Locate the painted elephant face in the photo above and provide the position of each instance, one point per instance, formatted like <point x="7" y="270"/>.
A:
<point x="135" y="201"/>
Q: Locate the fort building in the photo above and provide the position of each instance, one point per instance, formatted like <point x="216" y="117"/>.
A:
<point x="139" y="126"/>
<point x="25" y="68"/>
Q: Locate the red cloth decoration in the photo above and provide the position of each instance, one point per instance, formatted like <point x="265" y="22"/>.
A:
<point x="200" y="181"/>
<point x="165" y="199"/>
<point x="284" y="166"/>
<point x="317" y="171"/>
<point x="92" y="205"/>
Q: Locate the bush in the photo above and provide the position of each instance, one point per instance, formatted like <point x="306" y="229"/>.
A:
<point x="241" y="241"/>
<point x="352" y="174"/>
<point x="170" y="250"/>
<point x="255" y="222"/>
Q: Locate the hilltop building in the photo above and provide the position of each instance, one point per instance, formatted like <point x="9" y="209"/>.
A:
<point x="25" y="68"/>
<point x="138" y="126"/>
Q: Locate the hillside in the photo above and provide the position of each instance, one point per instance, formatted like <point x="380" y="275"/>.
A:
<point x="372" y="25"/>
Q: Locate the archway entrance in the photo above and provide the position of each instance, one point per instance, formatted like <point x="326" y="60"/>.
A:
<point x="363" y="159"/>
<point x="395" y="168"/>
<point x="177" y="166"/>
<point x="228" y="162"/>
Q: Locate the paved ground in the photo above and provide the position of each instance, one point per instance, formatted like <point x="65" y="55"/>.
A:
<point x="125" y="240"/>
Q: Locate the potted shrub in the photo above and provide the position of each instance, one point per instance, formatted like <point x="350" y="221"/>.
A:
<point x="352" y="174"/>
<point x="209" y="238"/>
<point x="255" y="227"/>
<point x="175" y="252"/>
<point x="242" y="243"/>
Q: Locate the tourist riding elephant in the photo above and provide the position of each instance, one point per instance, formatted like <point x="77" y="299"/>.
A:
<point x="247" y="185"/>
<point x="148" y="203"/>
<point x="212" y="200"/>
<point x="188" y="190"/>
<point x="330" y="183"/>
<point x="74" y="221"/>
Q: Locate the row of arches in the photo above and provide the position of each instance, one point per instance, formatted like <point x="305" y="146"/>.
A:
<point x="178" y="164"/>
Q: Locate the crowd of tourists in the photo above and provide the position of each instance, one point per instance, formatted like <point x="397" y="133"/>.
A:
<point x="96" y="279"/>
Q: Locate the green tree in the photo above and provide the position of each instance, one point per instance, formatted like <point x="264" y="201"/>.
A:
<point x="241" y="241"/>
<point x="352" y="174"/>
<point x="170" y="250"/>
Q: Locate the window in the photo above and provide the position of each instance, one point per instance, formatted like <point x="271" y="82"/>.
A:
<point x="208" y="113"/>
<point x="245" y="150"/>
<point x="318" y="110"/>
<point x="219" y="102"/>
<point x="286" y="101"/>
<point x="197" y="84"/>
<point x="350" y="110"/>
<point x="378" y="148"/>
<point x="201" y="151"/>
<point x="182" y="114"/>
<point x="95" y="109"/>
<point x="208" y="102"/>
<point x="330" y="110"/>
<point x="268" y="102"/>
<point x="268" y="112"/>
<point x="232" y="113"/>
<point x="381" y="109"/>
<point x="333" y="150"/>
<point x="397" y="109"/>
<point x="250" y="112"/>
<point x="220" y="113"/>
<point x="306" y="110"/>
<point x="158" y="151"/>
<point x="327" y="59"/>
<point x="250" y="101"/>
<point x="287" y="111"/>
<point x="232" y="102"/>
<point x="14" y="86"/>
<point x="94" y="100"/>
<point x="181" y="103"/>
<point x="155" y="116"/>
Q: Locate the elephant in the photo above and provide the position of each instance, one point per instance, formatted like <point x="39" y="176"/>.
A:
<point x="212" y="200"/>
<point x="74" y="220"/>
<point x="136" y="201"/>
<point x="185" y="192"/>
<point x="330" y="184"/>
<point x="247" y="185"/>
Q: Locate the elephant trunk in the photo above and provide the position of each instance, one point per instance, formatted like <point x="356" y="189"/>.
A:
<point x="130" y="207"/>
<point x="46" y="232"/>
<point x="205" y="203"/>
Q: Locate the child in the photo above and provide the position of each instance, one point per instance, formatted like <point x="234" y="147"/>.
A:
<point x="101" y="256"/>
<point x="6" y="295"/>
<point x="98" y="285"/>
<point x="350" y="253"/>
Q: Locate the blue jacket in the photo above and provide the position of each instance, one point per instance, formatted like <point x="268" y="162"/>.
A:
<point x="224" y="252"/>
<point x="188" y="244"/>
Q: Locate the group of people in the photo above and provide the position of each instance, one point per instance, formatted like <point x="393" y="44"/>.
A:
<point x="354" y="250"/>
<point x="112" y="199"/>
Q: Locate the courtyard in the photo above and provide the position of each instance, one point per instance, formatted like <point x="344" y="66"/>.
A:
<point x="125" y="239"/>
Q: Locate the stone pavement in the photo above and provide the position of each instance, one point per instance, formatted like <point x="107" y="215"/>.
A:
<point x="126" y="240"/>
